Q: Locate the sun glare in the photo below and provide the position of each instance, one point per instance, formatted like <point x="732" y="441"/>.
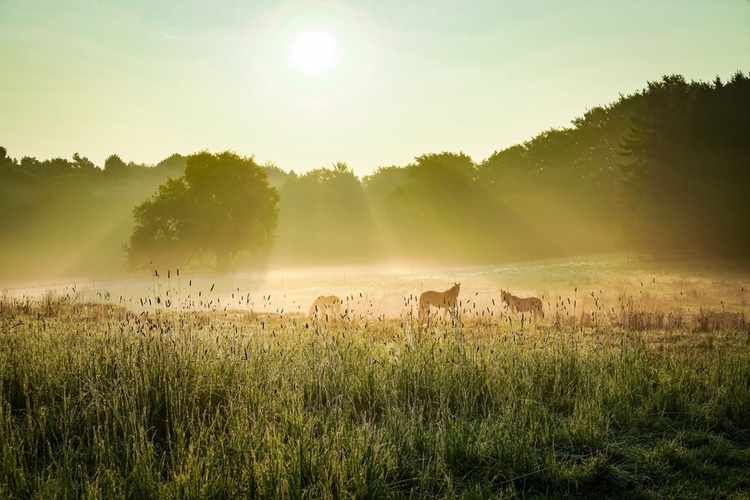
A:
<point x="313" y="51"/>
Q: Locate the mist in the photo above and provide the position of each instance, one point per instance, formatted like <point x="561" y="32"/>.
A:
<point x="633" y="176"/>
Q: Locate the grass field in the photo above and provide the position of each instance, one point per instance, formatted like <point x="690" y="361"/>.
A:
<point x="636" y="384"/>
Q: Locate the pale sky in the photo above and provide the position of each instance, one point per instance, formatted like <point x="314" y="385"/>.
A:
<point x="146" y="79"/>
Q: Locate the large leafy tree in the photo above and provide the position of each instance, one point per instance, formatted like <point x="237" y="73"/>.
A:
<point x="325" y="217"/>
<point x="221" y="206"/>
<point x="435" y="211"/>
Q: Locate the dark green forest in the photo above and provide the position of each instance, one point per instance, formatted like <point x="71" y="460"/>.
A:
<point x="662" y="170"/>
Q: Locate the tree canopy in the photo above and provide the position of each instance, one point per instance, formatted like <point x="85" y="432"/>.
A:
<point x="687" y="166"/>
<point x="665" y="168"/>
<point x="325" y="217"/>
<point x="221" y="206"/>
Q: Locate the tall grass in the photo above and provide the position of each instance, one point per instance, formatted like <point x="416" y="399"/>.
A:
<point x="97" y="401"/>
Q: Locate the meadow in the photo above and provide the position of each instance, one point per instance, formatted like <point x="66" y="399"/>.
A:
<point x="636" y="385"/>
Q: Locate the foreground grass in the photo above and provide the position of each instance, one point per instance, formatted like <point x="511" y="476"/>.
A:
<point x="99" y="402"/>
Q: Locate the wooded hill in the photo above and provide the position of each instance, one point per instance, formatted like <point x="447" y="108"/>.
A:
<point x="665" y="168"/>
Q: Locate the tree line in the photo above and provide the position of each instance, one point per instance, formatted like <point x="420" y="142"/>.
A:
<point x="661" y="169"/>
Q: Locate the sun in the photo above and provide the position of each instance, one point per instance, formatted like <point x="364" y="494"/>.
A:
<point x="313" y="51"/>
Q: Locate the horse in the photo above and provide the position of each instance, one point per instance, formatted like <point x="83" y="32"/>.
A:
<point x="518" y="304"/>
<point x="325" y="305"/>
<point x="446" y="299"/>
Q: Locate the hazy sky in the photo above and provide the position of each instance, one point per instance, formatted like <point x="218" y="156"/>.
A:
<point x="145" y="79"/>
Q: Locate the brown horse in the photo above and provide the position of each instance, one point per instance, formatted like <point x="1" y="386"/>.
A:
<point x="520" y="305"/>
<point x="325" y="306"/>
<point x="447" y="300"/>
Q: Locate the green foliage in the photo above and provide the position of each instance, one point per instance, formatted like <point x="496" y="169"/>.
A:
<point x="662" y="169"/>
<point x="159" y="220"/>
<point x="325" y="218"/>
<point x="223" y="205"/>
<point x="440" y="209"/>
<point x="689" y="164"/>
<point x="173" y="165"/>
<point x="64" y="221"/>
<point x="114" y="165"/>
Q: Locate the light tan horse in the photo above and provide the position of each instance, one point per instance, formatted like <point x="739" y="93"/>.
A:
<point x="326" y="306"/>
<point x="447" y="300"/>
<point x="520" y="305"/>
